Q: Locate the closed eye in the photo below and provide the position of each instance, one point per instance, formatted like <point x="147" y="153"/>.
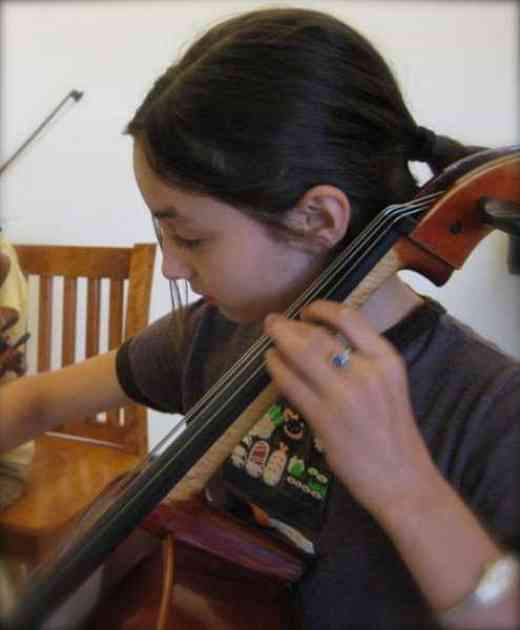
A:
<point x="188" y="243"/>
<point x="163" y="232"/>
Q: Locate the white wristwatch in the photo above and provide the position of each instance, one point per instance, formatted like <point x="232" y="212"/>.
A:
<point x="496" y="580"/>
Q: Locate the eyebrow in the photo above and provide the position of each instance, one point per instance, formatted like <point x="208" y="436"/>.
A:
<point x="171" y="213"/>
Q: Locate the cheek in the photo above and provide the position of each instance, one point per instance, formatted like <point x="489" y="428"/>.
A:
<point x="237" y="276"/>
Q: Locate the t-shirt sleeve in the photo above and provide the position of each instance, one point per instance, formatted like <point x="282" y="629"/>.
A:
<point x="149" y="368"/>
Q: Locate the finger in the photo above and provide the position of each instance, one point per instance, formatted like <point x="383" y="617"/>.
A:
<point x="301" y="342"/>
<point x="8" y="318"/>
<point x="7" y="357"/>
<point x="291" y="385"/>
<point x="307" y="348"/>
<point x="358" y="332"/>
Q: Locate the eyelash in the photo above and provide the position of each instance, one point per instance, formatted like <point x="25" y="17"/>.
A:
<point x="179" y="241"/>
<point x="164" y="233"/>
<point x="186" y="243"/>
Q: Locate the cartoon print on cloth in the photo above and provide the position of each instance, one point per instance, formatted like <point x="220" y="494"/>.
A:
<point x="279" y="468"/>
<point x="257" y="458"/>
<point x="265" y="427"/>
<point x="293" y="425"/>
<point x="239" y="456"/>
<point x="275" y="466"/>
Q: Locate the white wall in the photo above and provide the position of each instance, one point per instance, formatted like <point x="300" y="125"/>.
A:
<point x="457" y="62"/>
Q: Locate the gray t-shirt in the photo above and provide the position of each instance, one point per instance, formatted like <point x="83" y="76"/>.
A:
<point x="466" y="398"/>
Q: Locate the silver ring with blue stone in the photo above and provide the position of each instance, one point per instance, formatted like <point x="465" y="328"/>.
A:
<point x="341" y="359"/>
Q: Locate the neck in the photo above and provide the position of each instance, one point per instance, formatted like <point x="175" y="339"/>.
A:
<point x="390" y="303"/>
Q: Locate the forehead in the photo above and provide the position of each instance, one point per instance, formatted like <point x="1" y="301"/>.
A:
<point x="182" y="207"/>
<point x="158" y="196"/>
<point x="171" y="203"/>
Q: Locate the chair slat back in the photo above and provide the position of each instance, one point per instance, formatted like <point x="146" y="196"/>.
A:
<point x="45" y="323"/>
<point x="70" y="309"/>
<point x="129" y="272"/>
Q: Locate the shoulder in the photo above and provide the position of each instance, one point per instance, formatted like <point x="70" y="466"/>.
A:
<point x="201" y="315"/>
<point x="218" y="339"/>
<point x="466" y="393"/>
<point x="470" y="356"/>
<point x="444" y="351"/>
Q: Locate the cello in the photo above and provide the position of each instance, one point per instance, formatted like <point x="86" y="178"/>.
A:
<point x="432" y="234"/>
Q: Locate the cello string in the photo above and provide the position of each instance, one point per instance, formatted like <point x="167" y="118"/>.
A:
<point x="391" y="214"/>
<point x="396" y="214"/>
<point x="36" y="591"/>
<point x="210" y="415"/>
<point x="227" y="383"/>
<point x="417" y="205"/>
<point x="336" y="267"/>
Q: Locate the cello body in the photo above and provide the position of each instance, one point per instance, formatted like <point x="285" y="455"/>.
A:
<point x="209" y="593"/>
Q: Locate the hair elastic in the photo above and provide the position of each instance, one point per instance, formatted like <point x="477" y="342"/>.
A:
<point x="423" y="145"/>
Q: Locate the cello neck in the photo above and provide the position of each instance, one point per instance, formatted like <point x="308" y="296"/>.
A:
<point x="451" y="225"/>
<point x="195" y="480"/>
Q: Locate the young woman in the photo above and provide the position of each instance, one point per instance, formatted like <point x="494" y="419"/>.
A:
<point x="264" y="150"/>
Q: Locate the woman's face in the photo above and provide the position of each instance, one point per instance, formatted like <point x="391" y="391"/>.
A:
<point x="229" y="258"/>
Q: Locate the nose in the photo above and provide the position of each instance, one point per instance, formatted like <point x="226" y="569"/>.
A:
<point x="173" y="265"/>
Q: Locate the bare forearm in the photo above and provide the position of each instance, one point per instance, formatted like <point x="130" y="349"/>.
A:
<point x="446" y="549"/>
<point x="19" y="413"/>
<point x="31" y="405"/>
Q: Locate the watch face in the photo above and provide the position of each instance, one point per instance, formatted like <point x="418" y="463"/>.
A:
<point x="497" y="579"/>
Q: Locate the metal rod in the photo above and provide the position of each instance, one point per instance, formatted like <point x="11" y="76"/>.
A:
<point x="74" y="94"/>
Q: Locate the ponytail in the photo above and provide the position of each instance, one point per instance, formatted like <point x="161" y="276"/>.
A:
<point x="438" y="151"/>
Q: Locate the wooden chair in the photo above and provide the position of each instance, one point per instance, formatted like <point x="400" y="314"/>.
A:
<point x="72" y="465"/>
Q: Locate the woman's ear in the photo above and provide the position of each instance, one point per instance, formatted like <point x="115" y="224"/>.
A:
<point x="321" y="216"/>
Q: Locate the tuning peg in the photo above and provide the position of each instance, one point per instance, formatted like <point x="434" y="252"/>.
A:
<point x="502" y="215"/>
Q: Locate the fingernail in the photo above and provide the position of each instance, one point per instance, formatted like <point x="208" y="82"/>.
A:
<point x="270" y="320"/>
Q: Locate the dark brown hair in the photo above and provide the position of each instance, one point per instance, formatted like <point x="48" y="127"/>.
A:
<point x="266" y="105"/>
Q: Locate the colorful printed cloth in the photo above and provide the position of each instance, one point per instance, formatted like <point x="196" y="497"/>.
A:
<point x="279" y="470"/>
